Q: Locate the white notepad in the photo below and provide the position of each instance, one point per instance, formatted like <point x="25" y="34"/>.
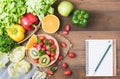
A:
<point x="95" y="50"/>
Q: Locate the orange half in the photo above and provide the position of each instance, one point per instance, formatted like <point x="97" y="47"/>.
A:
<point x="50" y="24"/>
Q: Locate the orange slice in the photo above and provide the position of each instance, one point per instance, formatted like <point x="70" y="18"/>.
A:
<point x="50" y="24"/>
<point x="31" y="41"/>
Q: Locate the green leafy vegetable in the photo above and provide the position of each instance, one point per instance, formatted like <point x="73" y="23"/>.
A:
<point x="40" y="7"/>
<point x="23" y="66"/>
<point x="6" y="43"/>
<point x="3" y="59"/>
<point x="10" y="12"/>
<point x="12" y="70"/>
<point x="17" y="54"/>
<point x="18" y="68"/>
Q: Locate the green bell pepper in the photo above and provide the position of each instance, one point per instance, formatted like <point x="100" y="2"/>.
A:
<point x="80" y="17"/>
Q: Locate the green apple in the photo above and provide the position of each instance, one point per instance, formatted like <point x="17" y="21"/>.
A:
<point x="65" y="8"/>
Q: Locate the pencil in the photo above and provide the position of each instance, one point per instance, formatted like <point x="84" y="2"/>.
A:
<point x="102" y="58"/>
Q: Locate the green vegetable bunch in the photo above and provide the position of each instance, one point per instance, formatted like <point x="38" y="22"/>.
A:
<point x="10" y="12"/>
<point x="40" y="8"/>
<point x="6" y="43"/>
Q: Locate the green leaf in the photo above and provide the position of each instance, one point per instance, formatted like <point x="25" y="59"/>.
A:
<point x="52" y="69"/>
<point x="51" y="49"/>
<point x="40" y="53"/>
<point x="38" y="40"/>
<point x="47" y="42"/>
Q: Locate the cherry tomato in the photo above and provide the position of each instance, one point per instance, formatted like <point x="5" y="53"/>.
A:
<point x="71" y="54"/>
<point x="54" y="46"/>
<point x="51" y="41"/>
<point x="49" y="72"/>
<point x="35" y="45"/>
<point x="38" y="47"/>
<point x="47" y="47"/>
<point x="41" y="43"/>
<point x="48" y="52"/>
<point x="60" y="57"/>
<point x="65" y="32"/>
<point x="64" y="65"/>
<point x="52" y="58"/>
<point x="63" y="44"/>
<point x="67" y="72"/>
<point x="36" y="60"/>
<point x="52" y="55"/>
<point x="43" y="48"/>
<point x="41" y="37"/>
<point x="67" y="27"/>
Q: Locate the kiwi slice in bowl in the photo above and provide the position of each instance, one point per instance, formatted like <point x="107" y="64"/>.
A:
<point x="33" y="52"/>
<point x="44" y="60"/>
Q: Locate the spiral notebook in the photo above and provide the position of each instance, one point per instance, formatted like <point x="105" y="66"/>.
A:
<point x="100" y="57"/>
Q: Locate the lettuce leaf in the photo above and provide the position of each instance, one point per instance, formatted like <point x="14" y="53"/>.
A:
<point x="17" y="54"/>
<point x="23" y="66"/>
<point x="4" y="59"/>
<point x="40" y="8"/>
<point x="12" y="72"/>
<point x="18" y="68"/>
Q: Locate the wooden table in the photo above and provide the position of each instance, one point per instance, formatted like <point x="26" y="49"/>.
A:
<point x="104" y="15"/>
<point x="104" y="23"/>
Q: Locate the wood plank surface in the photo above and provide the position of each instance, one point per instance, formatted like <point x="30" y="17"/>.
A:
<point x="77" y="64"/>
<point x="104" y="15"/>
<point x="104" y="23"/>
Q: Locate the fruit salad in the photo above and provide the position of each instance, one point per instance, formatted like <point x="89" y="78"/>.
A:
<point x="44" y="52"/>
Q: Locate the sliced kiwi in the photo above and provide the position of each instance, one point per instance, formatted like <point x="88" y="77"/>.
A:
<point x="33" y="52"/>
<point x="44" y="60"/>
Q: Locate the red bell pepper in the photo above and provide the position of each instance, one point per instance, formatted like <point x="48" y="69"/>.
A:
<point x="29" y="21"/>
